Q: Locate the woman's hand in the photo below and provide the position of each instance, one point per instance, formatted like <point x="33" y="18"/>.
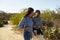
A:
<point x="35" y="31"/>
<point x="20" y="30"/>
<point x="27" y="28"/>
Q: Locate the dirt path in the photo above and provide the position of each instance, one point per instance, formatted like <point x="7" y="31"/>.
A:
<point x="7" y="34"/>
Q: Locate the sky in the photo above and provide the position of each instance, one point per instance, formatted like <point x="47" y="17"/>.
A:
<point x="15" y="6"/>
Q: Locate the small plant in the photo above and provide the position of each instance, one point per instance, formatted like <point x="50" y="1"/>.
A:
<point x="1" y="23"/>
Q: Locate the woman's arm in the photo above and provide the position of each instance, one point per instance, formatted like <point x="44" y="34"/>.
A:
<point x="21" y="23"/>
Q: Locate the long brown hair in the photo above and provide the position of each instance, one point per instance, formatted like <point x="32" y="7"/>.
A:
<point x="29" y="11"/>
<point x="38" y="12"/>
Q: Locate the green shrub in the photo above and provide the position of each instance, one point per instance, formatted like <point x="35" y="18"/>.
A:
<point x="1" y="23"/>
<point x="52" y="33"/>
<point x="15" y="19"/>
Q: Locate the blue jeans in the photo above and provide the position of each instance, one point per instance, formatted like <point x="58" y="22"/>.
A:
<point x="27" y="35"/>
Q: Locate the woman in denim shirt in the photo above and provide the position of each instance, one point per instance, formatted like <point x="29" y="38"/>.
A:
<point x="27" y="24"/>
<point x="37" y="25"/>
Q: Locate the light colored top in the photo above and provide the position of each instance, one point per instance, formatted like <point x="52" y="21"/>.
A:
<point x="23" y="22"/>
<point x="37" y="22"/>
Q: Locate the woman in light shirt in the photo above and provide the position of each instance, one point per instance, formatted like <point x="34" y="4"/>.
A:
<point x="37" y="29"/>
<point x="27" y="24"/>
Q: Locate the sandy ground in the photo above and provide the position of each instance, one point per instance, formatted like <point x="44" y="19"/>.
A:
<point x="7" y="34"/>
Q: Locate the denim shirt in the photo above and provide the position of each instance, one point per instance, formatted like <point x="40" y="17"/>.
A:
<point x="37" y="22"/>
<point x="23" y="22"/>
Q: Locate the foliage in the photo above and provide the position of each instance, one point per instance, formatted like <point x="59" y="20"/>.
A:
<point x="4" y="17"/>
<point x="52" y="33"/>
<point x="48" y="15"/>
<point x="15" y="19"/>
<point x="1" y="23"/>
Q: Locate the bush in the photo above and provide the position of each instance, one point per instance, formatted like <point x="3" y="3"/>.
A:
<point x="48" y="23"/>
<point x="15" y="19"/>
<point x="5" y="21"/>
<point x="52" y="33"/>
<point x="1" y="23"/>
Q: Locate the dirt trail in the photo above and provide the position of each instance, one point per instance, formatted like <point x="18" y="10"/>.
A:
<point x="7" y="34"/>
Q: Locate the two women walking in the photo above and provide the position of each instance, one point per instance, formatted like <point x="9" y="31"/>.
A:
<point x="31" y="23"/>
